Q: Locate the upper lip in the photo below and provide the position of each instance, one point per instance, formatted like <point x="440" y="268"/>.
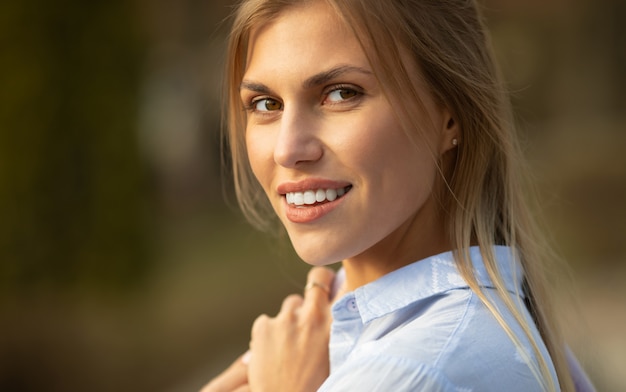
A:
<point x="310" y="184"/>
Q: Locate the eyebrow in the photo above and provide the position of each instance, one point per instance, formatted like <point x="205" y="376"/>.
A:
<point x="326" y="76"/>
<point x="256" y="87"/>
<point x="314" y="81"/>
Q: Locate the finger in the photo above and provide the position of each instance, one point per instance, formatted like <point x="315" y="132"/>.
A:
<point x="243" y="388"/>
<point x="232" y="378"/>
<point x="319" y="283"/>
<point x="315" y="310"/>
<point x="291" y="303"/>
<point x="259" y="326"/>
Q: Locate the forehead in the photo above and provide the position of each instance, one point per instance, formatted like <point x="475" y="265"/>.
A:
<point x="302" y="39"/>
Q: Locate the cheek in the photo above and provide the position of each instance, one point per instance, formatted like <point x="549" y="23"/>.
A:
<point x="260" y="156"/>
<point x="384" y="147"/>
<point x="402" y="168"/>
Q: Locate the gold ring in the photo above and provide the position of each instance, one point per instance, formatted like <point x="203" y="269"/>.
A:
<point x="313" y="284"/>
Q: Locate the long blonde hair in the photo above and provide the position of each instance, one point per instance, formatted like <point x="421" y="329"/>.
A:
<point x="484" y="200"/>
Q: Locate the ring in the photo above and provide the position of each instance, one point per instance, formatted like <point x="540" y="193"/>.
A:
<point x="313" y="284"/>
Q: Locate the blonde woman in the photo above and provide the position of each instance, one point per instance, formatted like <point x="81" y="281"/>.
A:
<point x="379" y="134"/>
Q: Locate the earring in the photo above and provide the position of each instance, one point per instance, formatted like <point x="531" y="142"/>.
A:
<point x="455" y="142"/>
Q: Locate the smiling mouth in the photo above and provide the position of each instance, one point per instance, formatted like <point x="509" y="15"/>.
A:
<point x="313" y="197"/>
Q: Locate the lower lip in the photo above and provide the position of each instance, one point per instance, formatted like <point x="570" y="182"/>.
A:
<point x="310" y="213"/>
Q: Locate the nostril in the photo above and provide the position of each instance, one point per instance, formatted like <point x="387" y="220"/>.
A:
<point x="298" y="154"/>
<point x="297" y="142"/>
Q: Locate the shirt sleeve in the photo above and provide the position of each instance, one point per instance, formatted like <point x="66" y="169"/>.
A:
<point x="387" y="373"/>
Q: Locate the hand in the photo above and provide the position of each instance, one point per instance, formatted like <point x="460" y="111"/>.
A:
<point x="233" y="379"/>
<point x="290" y="351"/>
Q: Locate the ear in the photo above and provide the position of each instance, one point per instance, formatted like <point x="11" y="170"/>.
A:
<point x="450" y="132"/>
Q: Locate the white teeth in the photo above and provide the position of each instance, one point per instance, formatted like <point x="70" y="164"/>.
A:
<point x="311" y="197"/>
<point x="320" y="195"/>
<point x="298" y="198"/>
<point x="331" y="194"/>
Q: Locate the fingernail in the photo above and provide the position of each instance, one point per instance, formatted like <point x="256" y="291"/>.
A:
<point x="246" y="357"/>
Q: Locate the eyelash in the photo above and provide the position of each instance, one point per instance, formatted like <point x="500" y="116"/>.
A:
<point x="252" y="104"/>
<point x="343" y="87"/>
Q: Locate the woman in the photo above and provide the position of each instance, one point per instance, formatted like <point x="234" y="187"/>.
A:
<point x="380" y="134"/>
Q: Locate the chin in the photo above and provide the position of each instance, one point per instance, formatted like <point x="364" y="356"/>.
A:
<point x="316" y="258"/>
<point x="316" y="255"/>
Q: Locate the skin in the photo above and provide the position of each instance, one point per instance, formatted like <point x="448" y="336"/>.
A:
<point x="316" y="114"/>
<point x="288" y="352"/>
<point x="233" y="379"/>
<point x="302" y="131"/>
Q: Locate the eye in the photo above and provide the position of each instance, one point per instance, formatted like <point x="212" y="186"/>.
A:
<point x="266" y="105"/>
<point x="341" y="94"/>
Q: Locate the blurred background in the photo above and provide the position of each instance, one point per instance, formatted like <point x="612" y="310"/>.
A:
<point x="124" y="265"/>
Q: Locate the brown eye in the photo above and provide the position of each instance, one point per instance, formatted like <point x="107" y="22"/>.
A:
<point x="345" y="94"/>
<point x="341" y="94"/>
<point x="267" y="105"/>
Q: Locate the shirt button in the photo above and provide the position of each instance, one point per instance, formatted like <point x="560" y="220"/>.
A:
<point x="351" y="305"/>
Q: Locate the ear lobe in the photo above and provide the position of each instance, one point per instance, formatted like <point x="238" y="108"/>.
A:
<point x="450" y="134"/>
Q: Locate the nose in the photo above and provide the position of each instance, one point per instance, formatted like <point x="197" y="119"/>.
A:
<point x="298" y="140"/>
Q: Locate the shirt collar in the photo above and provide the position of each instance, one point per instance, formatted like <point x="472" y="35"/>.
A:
<point x="431" y="276"/>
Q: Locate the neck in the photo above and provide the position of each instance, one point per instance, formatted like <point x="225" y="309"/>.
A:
<point x="421" y="236"/>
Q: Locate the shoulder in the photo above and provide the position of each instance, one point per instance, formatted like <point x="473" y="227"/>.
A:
<point x="387" y="373"/>
<point x="450" y="342"/>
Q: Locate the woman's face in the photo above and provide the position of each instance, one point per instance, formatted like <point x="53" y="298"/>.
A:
<point x="327" y="148"/>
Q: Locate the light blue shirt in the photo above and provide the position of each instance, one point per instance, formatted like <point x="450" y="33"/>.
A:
<point x="421" y="328"/>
